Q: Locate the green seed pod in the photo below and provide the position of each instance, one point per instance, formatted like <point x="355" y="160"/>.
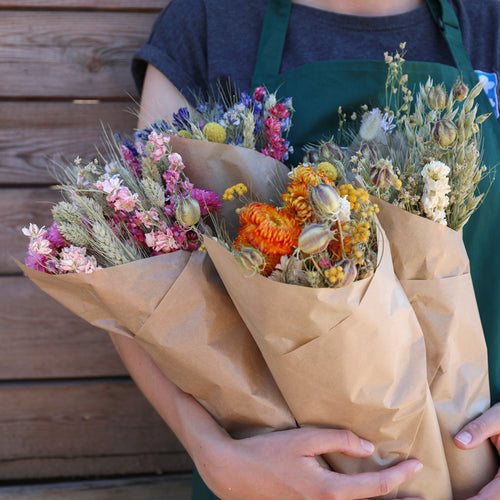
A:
<point x="187" y="211"/>
<point x="325" y="199"/>
<point x="330" y="151"/>
<point x="311" y="156"/>
<point x="444" y="132"/>
<point x="437" y="97"/>
<point x="460" y="91"/>
<point x="314" y="238"/>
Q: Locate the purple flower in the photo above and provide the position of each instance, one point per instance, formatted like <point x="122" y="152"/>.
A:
<point x="54" y="236"/>
<point x="208" y="200"/>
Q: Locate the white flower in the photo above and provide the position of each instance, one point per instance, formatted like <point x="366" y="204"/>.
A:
<point x="436" y="188"/>
<point x="289" y="270"/>
<point x="344" y="210"/>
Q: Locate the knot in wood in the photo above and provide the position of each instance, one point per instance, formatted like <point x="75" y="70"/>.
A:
<point x="94" y="64"/>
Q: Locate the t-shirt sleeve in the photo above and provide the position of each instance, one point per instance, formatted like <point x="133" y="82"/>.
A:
<point x="176" y="47"/>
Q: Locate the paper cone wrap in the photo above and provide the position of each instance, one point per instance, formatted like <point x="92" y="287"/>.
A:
<point x="431" y="262"/>
<point x="351" y="358"/>
<point x="176" y="308"/>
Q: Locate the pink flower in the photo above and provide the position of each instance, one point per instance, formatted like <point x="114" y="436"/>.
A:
<point x="176" y="163"/>
<point x="186" y="238"/>
<point x="208" y="200"/>
<point x="131" y="160"/>
<point x="272" y="126"/>
<point x="279" y="111"/>
<point x="74" y="259"/>
<point x="259" y="94"/>
<point x="125" y="200"/>
<point x="324" y="262"/>
<point x="160" y="143"/>
<point x="54" y="236"/>
<point x="38" y="262"/>
<point x="162" y="242"/>
<point x="171" y="178"/>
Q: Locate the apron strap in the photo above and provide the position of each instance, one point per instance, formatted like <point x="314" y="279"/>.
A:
<point x="273" y="36"/>
<point x="445" y="17"/>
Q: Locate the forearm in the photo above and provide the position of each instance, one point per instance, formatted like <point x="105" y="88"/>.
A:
<point x="198" y="432"/>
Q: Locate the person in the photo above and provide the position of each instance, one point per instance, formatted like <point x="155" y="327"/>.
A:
<point x="323" y="53"/>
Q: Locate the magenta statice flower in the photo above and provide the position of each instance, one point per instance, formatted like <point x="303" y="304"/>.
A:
<point x="54" y="236"/>
<point x="208" y="200"/>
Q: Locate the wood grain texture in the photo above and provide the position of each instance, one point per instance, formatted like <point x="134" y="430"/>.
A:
<point x="40" y="339"/>
<point x="19" y="207"/>
<point x="88" y="427"/>
<point x="33" y="133"/>
<point x="70" y="54"/>
<point x="150" y="5"/>
<point x="151" y="488"/>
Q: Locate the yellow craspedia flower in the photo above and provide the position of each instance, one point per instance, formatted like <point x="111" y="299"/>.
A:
<point x="185" y="133"/>
<point x="214" y="132"/>
<point x="326" y="168"/>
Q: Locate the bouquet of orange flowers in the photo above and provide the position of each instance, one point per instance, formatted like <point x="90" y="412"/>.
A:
<point x="313" y="281"/>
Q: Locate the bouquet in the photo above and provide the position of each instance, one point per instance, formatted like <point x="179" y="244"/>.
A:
<point x="341" y="338"/>
<point x="124" y="253"/>
<point x="423" y="165"/>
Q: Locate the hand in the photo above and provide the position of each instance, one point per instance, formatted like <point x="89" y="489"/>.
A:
<point x="487" y="426"/>
<point x="282" y="465"/>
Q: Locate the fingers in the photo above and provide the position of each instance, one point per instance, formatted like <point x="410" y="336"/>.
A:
<point x="491" y="490"/>
<point x="321" y="441"/>
<point x="480" y="429"/>
<point x="371" y="484"/>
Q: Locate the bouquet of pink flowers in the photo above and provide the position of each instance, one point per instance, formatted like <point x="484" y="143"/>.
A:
<point x="124" y="253"/>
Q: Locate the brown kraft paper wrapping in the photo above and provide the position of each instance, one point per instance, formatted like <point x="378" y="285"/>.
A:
<point x="432" y="264"/>
<point x="176" y="308"/>
<point x="351" y="358"/>
<point x="219" y="166"/>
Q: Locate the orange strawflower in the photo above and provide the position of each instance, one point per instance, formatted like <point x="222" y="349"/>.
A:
<point x="268" y="229"/>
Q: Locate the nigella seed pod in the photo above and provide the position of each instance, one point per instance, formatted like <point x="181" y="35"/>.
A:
<point x="311" y="156"/>
<point x="460" y="91"/>
<point x="314" y="238"/>
<point x="187" y="211"/>
<point x="436" y="97"/>
<point x="366" y="269"/>
<point x="381" y="174"/>
<point x="330" y="151"/>
<point x="444" y="132"/>
<point x="250" y="259"/>
<point x="350" y="271"/>
<point x="325" y="199"/>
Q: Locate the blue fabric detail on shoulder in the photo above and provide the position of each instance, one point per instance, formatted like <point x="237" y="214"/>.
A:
<point x="490" y="85"/>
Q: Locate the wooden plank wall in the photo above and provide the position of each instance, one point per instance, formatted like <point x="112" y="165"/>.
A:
<point x="68" y="411"/>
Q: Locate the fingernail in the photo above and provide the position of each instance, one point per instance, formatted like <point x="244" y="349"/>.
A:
<point x="464" y="437"/>
<point x="418" y="467"/>
<point x="367" y="446"/>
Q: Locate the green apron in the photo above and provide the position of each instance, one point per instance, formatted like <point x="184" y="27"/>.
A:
<point x="319" y="88"/>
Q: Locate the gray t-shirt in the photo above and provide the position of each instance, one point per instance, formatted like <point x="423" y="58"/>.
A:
<point x="195" y="43"/>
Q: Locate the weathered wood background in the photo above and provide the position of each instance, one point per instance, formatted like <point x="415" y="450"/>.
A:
<point x="72" y="424"/>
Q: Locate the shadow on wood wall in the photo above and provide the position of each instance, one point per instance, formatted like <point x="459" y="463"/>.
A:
<point x="68" y="409"/>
